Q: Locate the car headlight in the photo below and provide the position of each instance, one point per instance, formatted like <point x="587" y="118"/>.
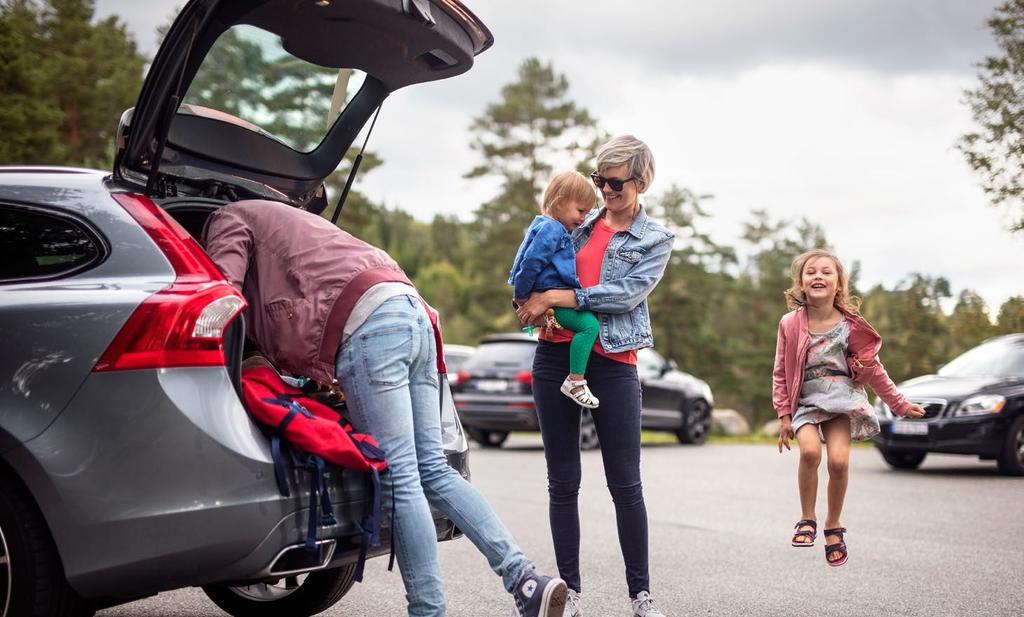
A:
<point x="706" y="391"/>
<point x="882" y="409"/>
<point x="981" y="404"/>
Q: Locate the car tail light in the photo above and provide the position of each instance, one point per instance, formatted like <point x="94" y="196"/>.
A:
<point x="461" y="376"/>
<point x="525" y="377"/>
<point x="184" y="323"/>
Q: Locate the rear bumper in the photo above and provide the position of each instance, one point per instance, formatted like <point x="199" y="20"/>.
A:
<point x="155" y="480"/>
<point x="981" y="436"/>
<point x="507" y="413"/>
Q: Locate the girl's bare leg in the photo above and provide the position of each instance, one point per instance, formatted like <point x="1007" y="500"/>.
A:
<point x="837" y="441"/>
<point x="807" y="473"/>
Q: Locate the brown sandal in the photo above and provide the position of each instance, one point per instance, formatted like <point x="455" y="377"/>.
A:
<point x="811" y="533"/>
<point x="838" y="547"/>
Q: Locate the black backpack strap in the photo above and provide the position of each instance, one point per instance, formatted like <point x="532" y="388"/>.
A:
<point x="326" y="510"/>
<point x="275" y="441"/>
<point x="314" y="496"/>
<point x="394" y="517"/>
<point x="275" y="452"/>
<point x="370" y="524"/>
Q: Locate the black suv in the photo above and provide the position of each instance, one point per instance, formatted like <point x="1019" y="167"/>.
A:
<point x="973" y="405"/>
<point x="494" y="394"/>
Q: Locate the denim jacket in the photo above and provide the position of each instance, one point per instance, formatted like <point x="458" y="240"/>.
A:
<point x="545" y="259"/>
<point x="632" y="266"/>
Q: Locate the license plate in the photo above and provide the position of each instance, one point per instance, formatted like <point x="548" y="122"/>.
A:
<point x="492" y="385"/>
<point x="902" y="427"/>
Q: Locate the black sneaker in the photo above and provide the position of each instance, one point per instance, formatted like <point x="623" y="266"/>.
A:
<point x="539" y="596"/>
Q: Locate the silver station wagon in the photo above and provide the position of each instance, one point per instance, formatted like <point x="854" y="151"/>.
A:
<point x="128" y="464"/>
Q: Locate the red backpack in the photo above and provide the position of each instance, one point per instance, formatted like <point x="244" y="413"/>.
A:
<point x="317" y="435"/>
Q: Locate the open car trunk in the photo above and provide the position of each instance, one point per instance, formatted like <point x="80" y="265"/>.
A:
<point x="263" y="98"/>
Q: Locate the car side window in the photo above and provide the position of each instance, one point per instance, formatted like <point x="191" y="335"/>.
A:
<point x="649" y="363"/>
<point x="38" y="244"/>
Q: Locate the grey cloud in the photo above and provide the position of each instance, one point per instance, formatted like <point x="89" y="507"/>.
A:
<point x="695" y="36"/>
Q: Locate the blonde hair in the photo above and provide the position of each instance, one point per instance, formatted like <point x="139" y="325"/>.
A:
<point x="630" y="151"/>
<point x="568" y="187"/>
<point x="795" y="296"/>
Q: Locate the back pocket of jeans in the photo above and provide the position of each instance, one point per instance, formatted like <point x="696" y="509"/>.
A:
<point x="387" y="353"/>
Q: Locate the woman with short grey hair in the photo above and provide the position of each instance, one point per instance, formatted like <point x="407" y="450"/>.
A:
<point x="621" y="255"/>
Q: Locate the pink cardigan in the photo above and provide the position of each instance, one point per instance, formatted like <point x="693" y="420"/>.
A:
<point x="865" y="367"/>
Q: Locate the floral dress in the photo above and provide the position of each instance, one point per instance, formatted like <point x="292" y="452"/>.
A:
<point x="828" y="391"/>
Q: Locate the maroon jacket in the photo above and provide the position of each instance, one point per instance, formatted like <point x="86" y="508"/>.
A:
<point x="301" y="276"/>
<point x="865" y="367"/>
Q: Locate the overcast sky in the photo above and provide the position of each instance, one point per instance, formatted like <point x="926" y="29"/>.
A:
<point x="841" y="111"/>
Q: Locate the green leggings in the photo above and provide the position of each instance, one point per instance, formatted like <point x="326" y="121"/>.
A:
<point x="586" y="327"/>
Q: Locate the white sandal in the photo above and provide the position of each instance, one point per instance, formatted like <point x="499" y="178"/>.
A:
<point x="583" y="396"/>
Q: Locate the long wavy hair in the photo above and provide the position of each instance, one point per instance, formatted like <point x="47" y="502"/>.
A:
<point x="795" y="295"/>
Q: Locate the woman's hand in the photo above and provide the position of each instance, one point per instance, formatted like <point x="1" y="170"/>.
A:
<point x="531" y="310"/>
<point x="914" y="411"/>
<point x="785" y="431"/>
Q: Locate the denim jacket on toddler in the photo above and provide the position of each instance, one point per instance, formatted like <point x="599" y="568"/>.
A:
<point x="545" y="259"/>
<point x="633" y="264"/>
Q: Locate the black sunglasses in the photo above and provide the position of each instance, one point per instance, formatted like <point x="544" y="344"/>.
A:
<point x="615" y="183"/>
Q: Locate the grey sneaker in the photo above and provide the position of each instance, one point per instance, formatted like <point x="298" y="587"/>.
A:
<point x="643" y="606"/>
<point x="537" y="595"/>
<point x="572" y="605"/>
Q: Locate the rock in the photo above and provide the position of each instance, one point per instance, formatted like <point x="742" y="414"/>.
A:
<point x="771" y="428"/>
<point x="730" y="421"/>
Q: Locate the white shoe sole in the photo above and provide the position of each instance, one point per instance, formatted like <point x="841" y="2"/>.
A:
<point x="568" y="392"/>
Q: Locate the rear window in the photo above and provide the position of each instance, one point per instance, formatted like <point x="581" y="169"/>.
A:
<point x="249" y="80"/>
<point x="506" y="353"/>
<point x="36" y="245"/>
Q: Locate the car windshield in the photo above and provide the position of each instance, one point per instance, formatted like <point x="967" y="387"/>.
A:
<point x="502" y="353"/>
<point x="1001" y="358"/>
<point x="249" y="80"/>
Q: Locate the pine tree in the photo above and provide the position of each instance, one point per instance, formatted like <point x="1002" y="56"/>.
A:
<point x="1011" y="316"/>
<point x="996" y="150"/>
<point x="64" y="81"/>
<point x="969" y="324"/>
<point x="521" y="138"/>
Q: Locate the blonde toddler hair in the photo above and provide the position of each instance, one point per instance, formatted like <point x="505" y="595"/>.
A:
<point x="795" y="296"/>
<point x="567" y="187"/>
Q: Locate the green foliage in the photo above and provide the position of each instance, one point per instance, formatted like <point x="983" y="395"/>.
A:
<point x="996" y="150"/>
<point x="969" y="324"/>
<point x="64" y="81"/>
<point x="715" y="311"/>
<point x="912" y="325"/>
<point x="1011" y="316"/>
<point x="248" y="74"/>
<point x="521" y="138"/>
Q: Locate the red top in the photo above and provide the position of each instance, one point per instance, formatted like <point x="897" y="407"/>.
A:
<point x="588" y="269"/>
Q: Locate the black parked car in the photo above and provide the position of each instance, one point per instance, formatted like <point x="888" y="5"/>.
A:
<point x="494" y="395"/>
<point x="974" y="405"/>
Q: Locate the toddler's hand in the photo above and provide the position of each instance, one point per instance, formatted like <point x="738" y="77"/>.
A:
<point x="915" y="411"/>
<point x="785" y="432"/>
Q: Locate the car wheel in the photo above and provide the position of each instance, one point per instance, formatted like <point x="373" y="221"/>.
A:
<point x="488" y="439"/>
<point x="1011" y="461"/>
<point x="588" y="432"/>
<point x="31" y="575"/>
<point x="696" y="423"/>
<point x="903" y="460"/>
<point x="295" y="596"/>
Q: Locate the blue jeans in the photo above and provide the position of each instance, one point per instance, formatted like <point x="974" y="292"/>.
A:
<point x="388" y="370"/>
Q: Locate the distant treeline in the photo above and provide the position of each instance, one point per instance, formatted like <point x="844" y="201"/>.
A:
<point x="715" y="312"/>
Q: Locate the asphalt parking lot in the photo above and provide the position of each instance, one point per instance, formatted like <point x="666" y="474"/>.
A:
<point x="944" y="540"/>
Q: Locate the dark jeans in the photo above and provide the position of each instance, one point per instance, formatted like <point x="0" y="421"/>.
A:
<point x="618" y="426"/>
